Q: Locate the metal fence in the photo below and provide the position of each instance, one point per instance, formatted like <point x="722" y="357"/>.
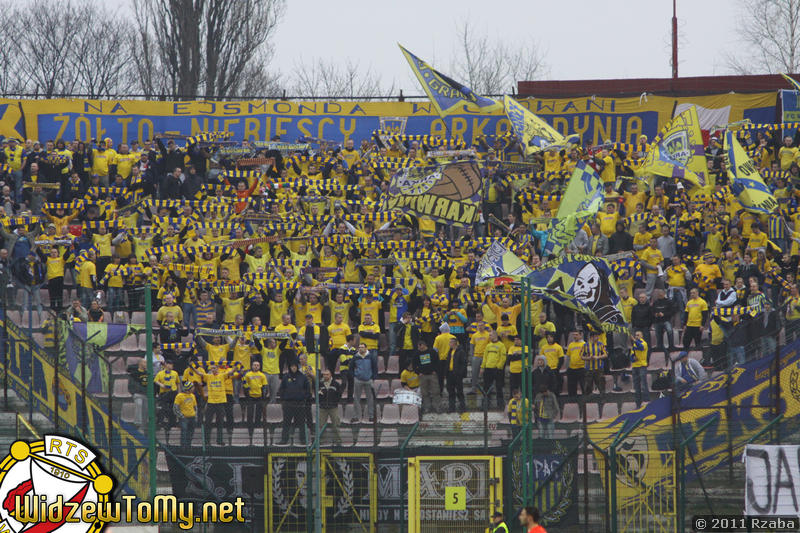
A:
<point x="402" y="472"/>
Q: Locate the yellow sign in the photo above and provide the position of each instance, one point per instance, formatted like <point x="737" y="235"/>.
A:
<point x="455" y="498"/>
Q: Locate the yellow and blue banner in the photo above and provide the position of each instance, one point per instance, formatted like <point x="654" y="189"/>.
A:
<point x="746" y="182"/>
<point x="533" y="133"/>
<point x="500" y="263"/>
<point x="446" y="94"/>
<point x="584" y="284"/>
<point x="593" y="119"/>
<point x="679" y="151"/>
<point x="582" y="199"/>
<point x="749" y="388"/>
<point x="101" y="335"/>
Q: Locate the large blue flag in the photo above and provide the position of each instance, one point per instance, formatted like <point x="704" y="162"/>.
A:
<point x="96" y="337"/>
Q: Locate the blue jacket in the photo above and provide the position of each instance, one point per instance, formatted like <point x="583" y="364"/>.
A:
<point x="364" y="368"/>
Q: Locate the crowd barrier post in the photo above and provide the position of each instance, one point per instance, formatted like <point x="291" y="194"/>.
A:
<point x="681" y="468"/>
<point x="56" y="367"/>
<point x="404" y="469"/>
<point x="151" y="401"/>
<point x="30" y="349"/>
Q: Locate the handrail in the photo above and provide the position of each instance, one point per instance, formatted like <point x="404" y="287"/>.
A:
<point x="28" y="426"/>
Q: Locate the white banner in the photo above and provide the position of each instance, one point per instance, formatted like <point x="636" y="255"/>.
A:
<point x="773" y="480"/>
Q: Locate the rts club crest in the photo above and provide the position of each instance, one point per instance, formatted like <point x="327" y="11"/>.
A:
<point x="42" y="481"/>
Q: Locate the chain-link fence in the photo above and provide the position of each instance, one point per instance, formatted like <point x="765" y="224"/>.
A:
<point x="605" y="467"/>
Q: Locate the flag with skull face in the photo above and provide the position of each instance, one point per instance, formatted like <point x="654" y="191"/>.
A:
<point x="584" y="284"/>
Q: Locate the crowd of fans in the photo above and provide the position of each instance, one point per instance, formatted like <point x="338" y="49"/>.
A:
<point x="268" y="278"/>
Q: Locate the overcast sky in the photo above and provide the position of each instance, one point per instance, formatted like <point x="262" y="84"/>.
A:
<point x="582" y="39"/>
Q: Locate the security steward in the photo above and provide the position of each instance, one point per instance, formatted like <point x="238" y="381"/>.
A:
<point x="498" y="524"/>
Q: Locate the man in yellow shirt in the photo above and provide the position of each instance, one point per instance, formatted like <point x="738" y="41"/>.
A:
<point x="676" y="282"/>
<point x="707" y="275"/>
<point x="167" y="381"/>
<point x="757" y="241"/>
<point x="555" y="357"/>
<point x="185" y="407"/>
<point x="652" y="260"/>
<point x="696" y="314"/>
<point x="492" y="366"/>
<point x="441" y="345"/>
<point x="608" y="220"/>
<point x="87" y="279"/>
<point x="257" y="388"/>
<point x="787" y="154"/>
<point x="478" y="342"/>
<point x="575" y="367"/>
<point x="626" y="302"/>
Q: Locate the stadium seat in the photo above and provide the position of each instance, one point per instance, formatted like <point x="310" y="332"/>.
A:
<point x="241" y="437"/>
<point x="38" y="338"/>
<point x="396" y="384"/>
<point x="118" y="366"/>
<point x="130" y="344"/>
<point x="138" y="318"/>
<point x="128" y="412"/>
<point x="274" y="413"/>
<point x="349" y="413"/>
<point x="409" y="414"/>
<point x="365" y="436"/>
<point x="381" y="366"/>
<point x="389" y="438"/>
<point x="237" y="412"/>
<point x="393" y="366"/>
<point x="107" y="317"/>
<point x="570" y="413"/>
<point x="142" y="342"/>
<point x="15" y="317"/>
<point x="121" y="388"/>
<point x="627" y="407"/>
<point x="610" y="410"/>
<point x="161" y="462"/>
<point x="391" y="414"/>
<point x="592" y="412"/>
<point x="382" y="390"/>
<point x="657" y="361"/>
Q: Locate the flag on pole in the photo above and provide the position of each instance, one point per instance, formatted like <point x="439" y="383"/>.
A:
<point x="447" y="95"/>
<point x="746" y="182"/>
<point x="582" y="199"/>
<point x="678" y="151"/>
<point x="534" y="134"/>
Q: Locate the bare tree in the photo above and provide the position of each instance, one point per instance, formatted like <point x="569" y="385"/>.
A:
<point x="194" y="47"/>
<point x="336" y="79"/>
<point x="770" y="37"/>
<point x="47" y="42"/>
<point x="490" y="66"/>
<point x="102" y="58"/>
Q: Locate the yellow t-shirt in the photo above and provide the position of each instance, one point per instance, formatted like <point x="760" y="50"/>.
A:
<point x="337" y="334"/>
<point x="442" y="344"/>
<point x="276" y="311"/>
<point x="254" y="382"/>
<point x="553" y="352"/>
<point x="103" y="244"/>
<point x="607" y="223"/>
<point x="792" y="313"/>
<point x="230" y="308"/>
<point x="627" y="308"/>
<point x="479" y="340"/>
<point x="409" y="378"/>
<point x="187" y="404"/>
<point x="85" y="273"/>
<point x="676" y="276"/>
<point x="166" y="380"/>
<point x="174" y="309"/>
<point x="217" y="352"/>
<point x="574" y="350"/>
<point x="125" y="163"/>
<point x="640" y="356"/>
<point x="695" y="308"/>
<point x="515" y="366"/>
<point x="270" y="361"/>
<point x="787" y="157"/>
<point x="651" y="256"/>
<point x="216" y="387"/>
<point x="113" y="279"/>
<point x="55" y="267"/>
<point x="609" y="173"/>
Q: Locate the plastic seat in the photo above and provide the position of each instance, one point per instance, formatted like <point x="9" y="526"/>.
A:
<point x="365" y="437"/>
<point x="349" y="413"/>
<point x="128" y="412"/>
<point x="393" y="366"/>
<point x="381" y="366"/>
<point x="274" y="413"/>
<point x="130" y="344"/>
<point x="138" y="318"/>
<point x="389" y="438"/>
<point x="570" y="413"/>
<point x="38" y="338"/>
<point x="118" y="367"/>
<point x="396" y="384"/>
<point x="610" y="410"/>
<point x="627" y="407"/>
<point x="409" y="414"/>
<point x="391" y="414"/>
<point x="161" y="462"/>
<point x="592" y="412"/>
<point x="658" y="361"/>
<point x="121" y="388"/>
<point x="382" y="390"/>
